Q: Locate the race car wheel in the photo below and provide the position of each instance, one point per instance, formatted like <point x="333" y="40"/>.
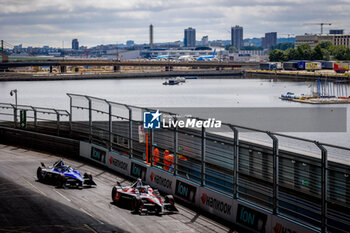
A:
<point x="137" y="202"/>
<point x="39" y="174"/>
<point x="169" y="199"/>
<point x="61" y="182"/>
<point x="114" y="193"/>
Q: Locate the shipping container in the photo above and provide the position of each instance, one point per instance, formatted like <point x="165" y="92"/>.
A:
<point x="268" y="66"/>
<point x="328" y="65"/>
<point x="301" y="65"/>
<point x="279" y="65"/>
<point x="313" y="66"/>
<point x="341" y="67"/>
<point x="290" y="65"/>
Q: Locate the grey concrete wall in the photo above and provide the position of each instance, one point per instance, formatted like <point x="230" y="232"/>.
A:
<point x="38" y="141"/>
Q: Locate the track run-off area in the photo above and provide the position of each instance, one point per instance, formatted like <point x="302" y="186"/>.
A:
<point x="27" y="205"/>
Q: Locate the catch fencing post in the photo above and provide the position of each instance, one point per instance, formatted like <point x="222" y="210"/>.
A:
<point x="235" y="161"/>
<point x="90" y="119"/>
<point x="275" y="175"/>
<point x="175" y="147"/>
<point x="324" y="168"/>
<point x="110" y="126"/>
<point x="203" y="157"/>
<point x="130" y="132"/>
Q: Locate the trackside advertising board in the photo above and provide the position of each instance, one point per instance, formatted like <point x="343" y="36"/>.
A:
<point x="85" y="149"/>
<point x="216" y="203"/>
<point x="93" y="152"/>
<point x="185" y="190"/>
<point x="252" y="218"/>
<point x="280" y="225"/>
<point x="118" y="162"/>
<point x="138" y="170"/>
<point x="161" y="180"/>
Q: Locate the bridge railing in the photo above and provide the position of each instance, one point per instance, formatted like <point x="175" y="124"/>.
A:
<point x="308" y="188"/>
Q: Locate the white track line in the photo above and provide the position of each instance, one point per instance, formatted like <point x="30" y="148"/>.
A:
<point x="36" y="188"/>
<point x="91" y="216"/>
<point x="62" y="195"/>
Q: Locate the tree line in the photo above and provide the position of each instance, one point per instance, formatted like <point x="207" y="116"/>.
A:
<point x="325" y="50"/>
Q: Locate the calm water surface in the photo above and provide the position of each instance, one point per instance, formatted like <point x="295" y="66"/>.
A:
<point x="193" y="93"/>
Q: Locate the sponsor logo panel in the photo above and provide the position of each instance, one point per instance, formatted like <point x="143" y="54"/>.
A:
<point x="214" y="203"/>
<point x="98" y="155"/>
<point x="161" y="181"/>
<point x="185" y="191"/>
<point x="251" y="218"/>
<point x="138" y="171"/>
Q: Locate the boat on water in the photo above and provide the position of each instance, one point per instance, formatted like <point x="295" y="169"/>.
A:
<point x="175" y="81"/>
<point x="190" y="77"/>
<point x="180" y="79"/>
<point x="171" y="82"/>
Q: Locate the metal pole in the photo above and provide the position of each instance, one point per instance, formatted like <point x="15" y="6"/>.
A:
<point x="15" y="115"/>
<point x="130" y="132"/>
<point x="90" y="119"/>
<point x="35" y="117"/>
<point x="110" y="126"/>
<point x="70" y="113"/>
<point x="151" y="140"/>
<point x="203" y="157"/>
<point x="274" y="172"/>
<point x="235" y="161"/>
<point x="175" y="147"/>
<point x="16" y="97"/>
<point x="58" y="121"/>
<point x="324" y="168"/>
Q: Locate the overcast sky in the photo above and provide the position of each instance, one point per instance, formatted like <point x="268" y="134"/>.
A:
<point x="93" y="22"/>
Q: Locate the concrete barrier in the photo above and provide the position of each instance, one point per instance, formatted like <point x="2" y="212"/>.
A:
<point x="39" y="141"/>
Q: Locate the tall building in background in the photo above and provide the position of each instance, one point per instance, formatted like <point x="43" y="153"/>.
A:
<point x="237" y="37"/>
<point x="190" y="37"/>
<point x="205" y="41"/>
<point x="151" y="36"/>
<point x="336" y="31"/>
<point x="269" y="40"/>
<point x="130" y="43"/>
<point x="75" y="44"/>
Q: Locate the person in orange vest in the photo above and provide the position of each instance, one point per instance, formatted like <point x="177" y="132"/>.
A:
<point x="155" y="155"/>
<point x="168" y="161"/>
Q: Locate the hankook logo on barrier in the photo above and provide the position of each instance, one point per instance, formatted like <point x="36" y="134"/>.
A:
<point x="279" y="228"/>
<point x="185" y="191"/>
<point x="138" y="171"/>
<point x="161" y="181"/>
<point x="216" y="204"/>
<point x="118" y="163"/>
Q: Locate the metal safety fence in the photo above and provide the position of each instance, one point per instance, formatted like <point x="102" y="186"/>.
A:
<point x="306" y="187"/>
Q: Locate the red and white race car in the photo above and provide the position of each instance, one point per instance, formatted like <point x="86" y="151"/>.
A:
<point x="143" y="198"/>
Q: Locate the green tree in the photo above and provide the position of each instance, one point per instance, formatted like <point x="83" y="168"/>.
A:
<point x="304" y="52"/>
<point x="325" y="44"/>
<point x="290" y="54"/>
<point x="283" y="46"/>
<point x="317" y="53"/>
<point x="276" y="55"/>
<point x="340" y="53"/>
<point x="252" y="48"/>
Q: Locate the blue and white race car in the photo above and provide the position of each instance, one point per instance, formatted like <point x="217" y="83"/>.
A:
<point x="63" y="176"/>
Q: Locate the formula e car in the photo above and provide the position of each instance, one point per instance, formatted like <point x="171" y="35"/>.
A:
<point x="143" y="199"/>
<point x="63" y="176"/>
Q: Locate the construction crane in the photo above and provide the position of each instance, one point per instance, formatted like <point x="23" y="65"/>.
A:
<point x="321" y="24"/>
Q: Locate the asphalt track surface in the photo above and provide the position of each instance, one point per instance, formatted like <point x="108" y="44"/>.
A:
<point x="27" y="205"/>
